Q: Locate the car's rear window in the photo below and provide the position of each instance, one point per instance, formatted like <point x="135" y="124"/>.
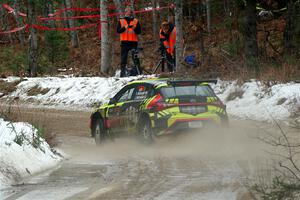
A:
<point x="181" y="91"/>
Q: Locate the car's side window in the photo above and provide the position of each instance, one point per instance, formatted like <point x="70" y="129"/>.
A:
<point x="126" y="95"/>
<point x="141" y="92"/>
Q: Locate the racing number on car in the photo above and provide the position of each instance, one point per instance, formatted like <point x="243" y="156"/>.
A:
<point x="131" y="113"/>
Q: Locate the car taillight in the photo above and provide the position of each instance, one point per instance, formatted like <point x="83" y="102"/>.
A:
<point x="158" y="103"/>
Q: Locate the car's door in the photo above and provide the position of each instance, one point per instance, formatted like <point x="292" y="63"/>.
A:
<point x="115" y="112"/>
<point x="141" y="92"/>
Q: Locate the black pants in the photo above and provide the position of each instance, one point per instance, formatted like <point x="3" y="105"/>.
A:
<point x="124" y="56"/>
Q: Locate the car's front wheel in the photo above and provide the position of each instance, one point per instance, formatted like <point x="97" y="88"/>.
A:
<point x="100" y="131"/>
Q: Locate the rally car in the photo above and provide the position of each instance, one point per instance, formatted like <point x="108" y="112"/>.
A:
<point x="155" y="107"/>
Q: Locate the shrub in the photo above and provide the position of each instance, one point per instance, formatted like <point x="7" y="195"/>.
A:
<point x="12" y="60"/>
<point x="279" y="189"/>
<point x="57" y="47"/>
<point x="39" y="127"/>
<point x="233" y="49"/>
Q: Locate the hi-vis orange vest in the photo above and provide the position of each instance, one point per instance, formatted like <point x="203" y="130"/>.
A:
<point x="169" y="44"/>
<point x="129" y="34"/>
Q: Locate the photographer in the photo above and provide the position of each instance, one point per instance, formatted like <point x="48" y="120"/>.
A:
<point x="167" y="36"/>
<point x="129" y="28"/>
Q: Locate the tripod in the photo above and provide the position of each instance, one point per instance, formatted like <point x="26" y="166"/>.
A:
<point x="134" y="69"/>
<point x="162" y="60"/>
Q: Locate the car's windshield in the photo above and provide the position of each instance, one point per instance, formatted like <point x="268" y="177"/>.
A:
<point x="193" y="90"/>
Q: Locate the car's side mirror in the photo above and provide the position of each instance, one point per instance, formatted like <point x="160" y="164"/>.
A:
<point x="112" y="101"/>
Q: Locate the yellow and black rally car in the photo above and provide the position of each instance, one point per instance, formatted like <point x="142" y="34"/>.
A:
<point x="155" y="107"/>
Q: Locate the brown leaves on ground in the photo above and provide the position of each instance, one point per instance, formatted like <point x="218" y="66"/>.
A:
<point x="7" y="87"/>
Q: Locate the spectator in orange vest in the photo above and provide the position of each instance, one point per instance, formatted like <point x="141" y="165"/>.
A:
<point x="167" y="36"/>
<point x="129" y="28"/>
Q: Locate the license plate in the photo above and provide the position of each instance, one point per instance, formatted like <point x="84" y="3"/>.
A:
<point x="195" y="124"/>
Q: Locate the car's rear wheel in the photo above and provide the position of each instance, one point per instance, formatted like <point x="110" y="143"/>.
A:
<point x="145" y="131"/>
<point x="100" y="132"/>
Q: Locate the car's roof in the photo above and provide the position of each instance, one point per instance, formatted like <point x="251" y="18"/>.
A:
<point x="169" y="81"/>
<point x="152" y="81"/>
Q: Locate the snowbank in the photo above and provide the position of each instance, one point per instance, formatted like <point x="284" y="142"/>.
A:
<point x="70" y="91"/>
<point x="255" y="101"/>
<point x="22" y="152"/>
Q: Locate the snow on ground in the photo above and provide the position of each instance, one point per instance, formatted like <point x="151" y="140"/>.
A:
<point x="70" y="91"/>
<point x="256" y="101"/>
<point x="22" y="152"/>
<point x="259" y="102"/>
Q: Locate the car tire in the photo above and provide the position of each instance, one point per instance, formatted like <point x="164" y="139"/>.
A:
<point x="100" y="132"/>
<point x="145" y="131"/>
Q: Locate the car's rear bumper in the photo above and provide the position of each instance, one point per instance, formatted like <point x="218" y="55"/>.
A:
<point x="184" y="124"/>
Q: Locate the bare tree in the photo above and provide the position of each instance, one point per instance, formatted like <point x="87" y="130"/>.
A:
<point x="201" y="32"/>
<point x="250" y="31"/>
<point x="33" y="42"/>
<point x="292" y="29"/>
<point x="154" y="19"/>
<point x="286" y="179"/>
<point x="179" y="33"/>
<point x="48" y="9"/>
<point x="74" y="35"/>
<point x="118" y="4"/>
<point x="288" y="157"/>
<point x="19" y="22"/>
<point x="2" y="15"/>
<point x="160" y="3"/>
<point x="208" y="14"/>
<point x="5" y="25"/>
<point x="64" y="14"/>
<point x="105" y="44"/>
<point x="132" y="4"/>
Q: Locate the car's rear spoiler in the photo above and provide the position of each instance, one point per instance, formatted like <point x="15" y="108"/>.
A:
<point x="191" y="82"/>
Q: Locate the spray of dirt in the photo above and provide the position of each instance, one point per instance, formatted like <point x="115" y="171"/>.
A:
<point x="238" y="142"/>
<point x="204" y="161"/>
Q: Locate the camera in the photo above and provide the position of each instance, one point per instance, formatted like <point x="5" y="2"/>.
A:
<point x="135" y="54"/>
<point x="162" y="50"/>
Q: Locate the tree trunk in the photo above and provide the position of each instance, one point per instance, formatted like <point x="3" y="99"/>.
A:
<point x="1" y="19"/>
<point x="250" y="31"/>
<point x="49" y="10"/>
<point x="74" y="35"/>
<point x="292" y="29"/>
<point x="105" y="44"/>
<point x="190" y="9"/>
<point x="159" y="4"/>
<point x="132" y="4"/>
<point x="4" y="24"/>
<point x="33" y="43"/>
<point x="154" y="18"/>
<point x="118" y="4"/>
<point x="19" y="22"/>
<point x="64" y="14"/>
<point x="179" y="34"/>
<point x="201" y="18"/>
<point x="226" y="8"/>
<point x="208" y="14"/>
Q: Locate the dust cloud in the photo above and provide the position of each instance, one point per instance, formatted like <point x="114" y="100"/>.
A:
<point x="213" y="163"/>
<point x="237" y="142"/>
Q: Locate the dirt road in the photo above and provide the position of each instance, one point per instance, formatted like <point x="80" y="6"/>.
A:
<point x="214" y="164"/>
